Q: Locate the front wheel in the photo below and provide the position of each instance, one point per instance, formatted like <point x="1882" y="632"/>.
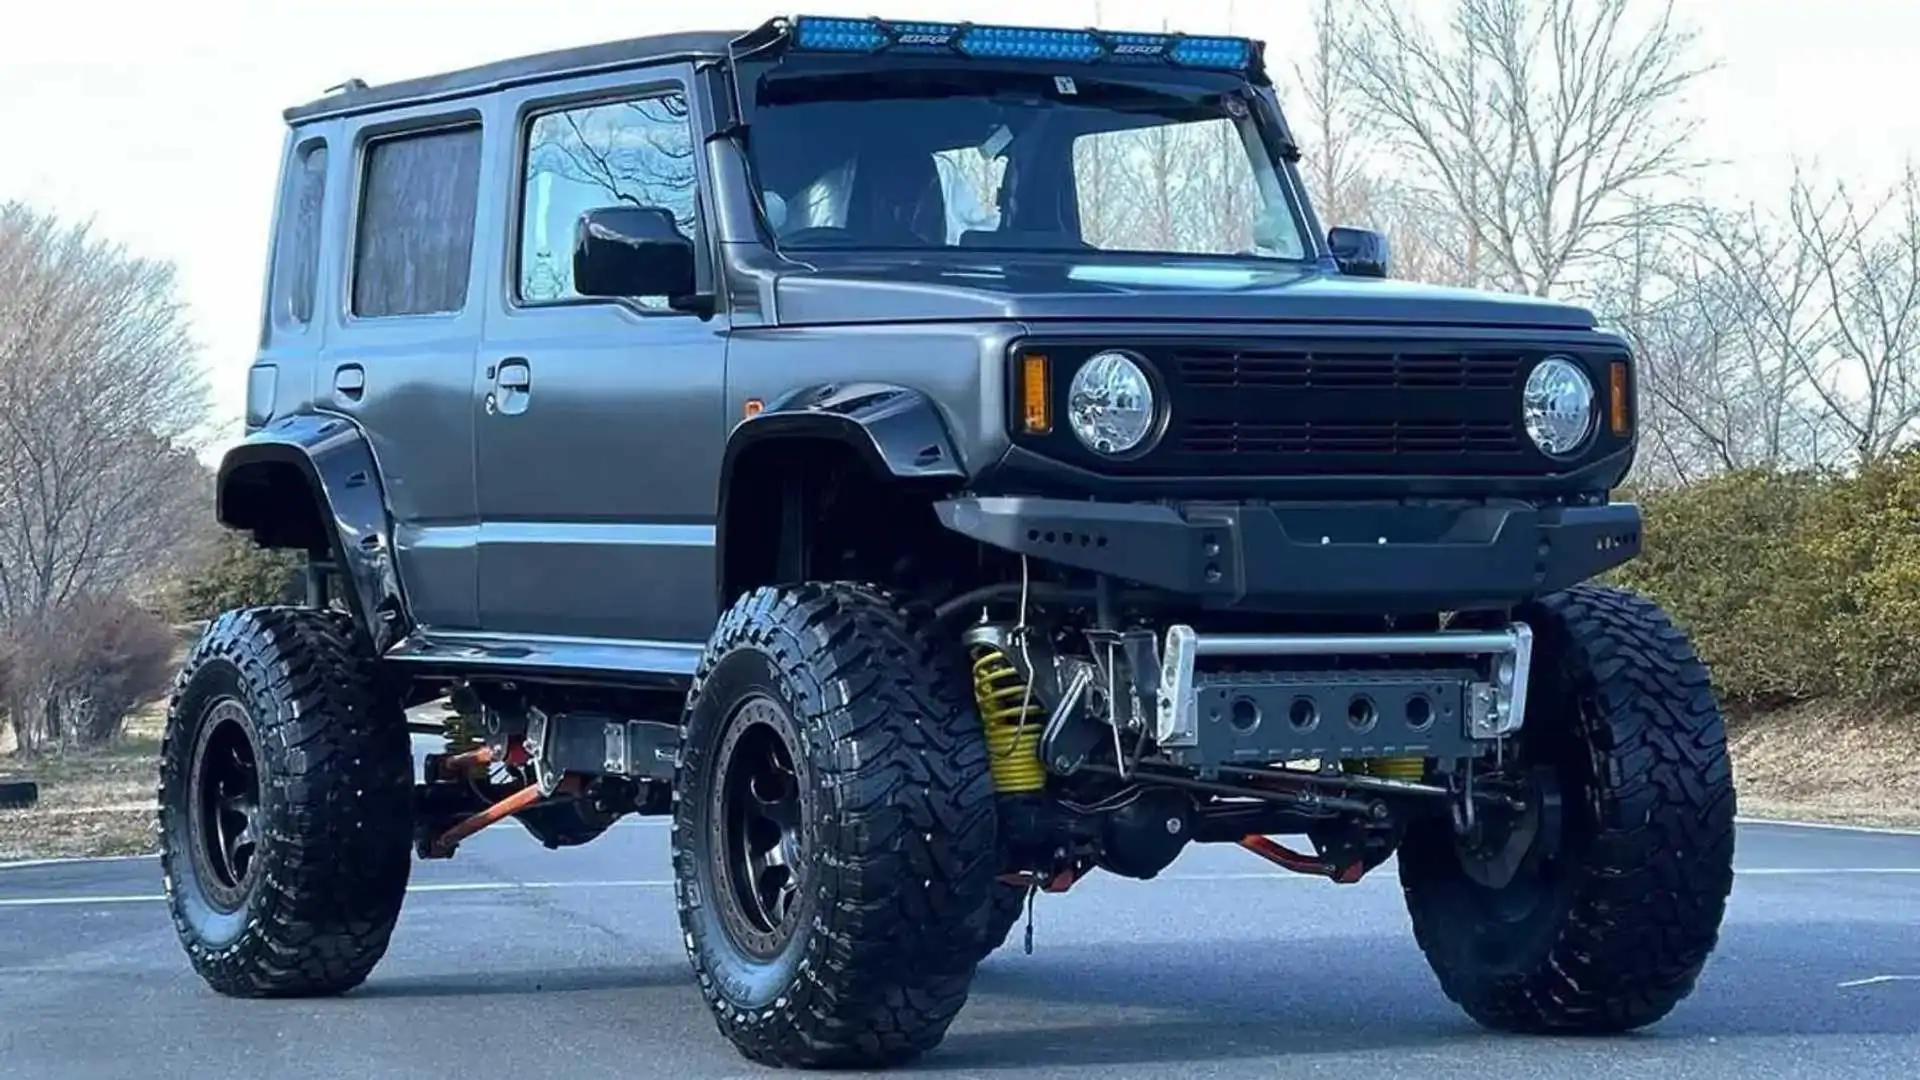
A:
<point x="833" y="829"/>
<point x="1596" y="909"/>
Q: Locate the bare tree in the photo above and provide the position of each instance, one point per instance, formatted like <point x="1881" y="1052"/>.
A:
<point x="1722" y="317"/>
<point x="1535" y="122"/>
<point x="1335" y="124"/>
<point x="100" y="402"/>
<point x="1867" y="262"/>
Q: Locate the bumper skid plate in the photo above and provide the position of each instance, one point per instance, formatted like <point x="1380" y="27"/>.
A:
<point x="1470" y="689"/>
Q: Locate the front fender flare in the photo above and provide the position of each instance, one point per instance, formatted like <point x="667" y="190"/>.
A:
<point x="334" y="459"/>
<point x="896" y="430"/>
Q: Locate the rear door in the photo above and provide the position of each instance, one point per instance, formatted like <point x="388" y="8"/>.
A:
<point x="600" y="422"/>
<point x="399" y="356"/>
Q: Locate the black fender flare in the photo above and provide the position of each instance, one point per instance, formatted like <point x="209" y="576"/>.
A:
<point x="898" y="431"/>
<point x="334" y="460"/>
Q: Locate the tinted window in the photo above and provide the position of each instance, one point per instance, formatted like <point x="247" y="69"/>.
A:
<point x="636" y="152"/>
<point x="299" y="248"/>
<point x="415" y="241"/>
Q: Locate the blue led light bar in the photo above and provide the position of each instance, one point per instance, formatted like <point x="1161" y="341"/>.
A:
<point x="813" y="33"/>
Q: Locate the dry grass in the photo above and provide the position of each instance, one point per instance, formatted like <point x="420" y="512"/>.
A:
<point x="92" y="802"/>
<point x="1845" y="763"/>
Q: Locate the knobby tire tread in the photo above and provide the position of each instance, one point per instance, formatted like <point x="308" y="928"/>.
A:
<point x="907" y="807"/>
<point x="1654" y="879"/>
<point x="338" y="768"/>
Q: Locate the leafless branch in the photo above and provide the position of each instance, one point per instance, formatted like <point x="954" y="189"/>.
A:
<point x="1534" y="122"/>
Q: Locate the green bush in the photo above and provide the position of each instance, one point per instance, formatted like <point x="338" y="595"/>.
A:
<point x="239" y="574"/>
<point x="1793" y="585"/>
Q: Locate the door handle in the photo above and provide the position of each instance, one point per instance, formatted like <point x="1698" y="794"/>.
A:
<point x="350" y="382"/>
<point x="513" y="383"/>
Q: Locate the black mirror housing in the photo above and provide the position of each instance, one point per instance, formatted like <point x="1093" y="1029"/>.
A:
<point x="1360" y="252"/>
<point x="628" y="251"/>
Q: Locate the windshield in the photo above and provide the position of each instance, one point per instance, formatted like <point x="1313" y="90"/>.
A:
<point x="927" y="159"/>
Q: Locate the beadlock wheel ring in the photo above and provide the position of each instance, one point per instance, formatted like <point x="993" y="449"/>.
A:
<point x="755" y="830"/>
<point x="224" y="814"/>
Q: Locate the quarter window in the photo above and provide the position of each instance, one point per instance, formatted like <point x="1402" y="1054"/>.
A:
<point x="299" y="246"/>
<point x="414" y="247"/>
<point x="637" y="153"/>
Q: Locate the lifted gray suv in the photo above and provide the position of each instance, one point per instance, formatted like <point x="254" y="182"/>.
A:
<point x="932" y="463"/>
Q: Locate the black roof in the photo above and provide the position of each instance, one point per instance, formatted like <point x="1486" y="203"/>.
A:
<point x="607" y="56"/>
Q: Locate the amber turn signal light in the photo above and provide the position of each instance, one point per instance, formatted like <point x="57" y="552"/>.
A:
<point x="1617" y="400"/>
<point x="1038" y="418"/>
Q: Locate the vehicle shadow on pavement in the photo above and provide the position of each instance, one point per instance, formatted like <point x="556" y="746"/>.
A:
<point x="529" y="983"/>
<point x="1221" y="1000"/>
<point x="1198" y="1001"/>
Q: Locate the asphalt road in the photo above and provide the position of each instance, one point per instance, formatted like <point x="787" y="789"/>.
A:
<point x="511" y="960"/>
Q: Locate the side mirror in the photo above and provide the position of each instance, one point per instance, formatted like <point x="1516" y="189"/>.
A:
<point x="626" y="251"/>
<point x="1360" y="252"/>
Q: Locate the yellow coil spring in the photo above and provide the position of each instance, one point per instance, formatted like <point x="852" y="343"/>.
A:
<point x="462" y="732"/>
<point x="1411" y="769"/>
<point x="1013" y="732"/>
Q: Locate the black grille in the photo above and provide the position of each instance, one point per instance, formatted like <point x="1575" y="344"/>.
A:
<point x="1392" y="438"/>
<point x="1349" y="370"/>
<point x="1353" y="408"/>
<point x="1334" y="402"/>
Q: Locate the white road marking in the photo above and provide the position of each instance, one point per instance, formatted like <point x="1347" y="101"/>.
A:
<point x="664" y="822"/>
<point x="1824" y="871"/>
<point x="1828" y="826"/>
<point x="665" y="883"/>
<point x="1876" y="980"/>
<point x="70" y="901"/>
<point x="427" y="887"/>
<point x="71" y="860"/>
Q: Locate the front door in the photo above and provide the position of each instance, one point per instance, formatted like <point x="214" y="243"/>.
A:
<point x="600" y="422"/>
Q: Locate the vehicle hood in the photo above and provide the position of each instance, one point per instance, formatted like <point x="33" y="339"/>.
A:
<point x="849" y="289"/>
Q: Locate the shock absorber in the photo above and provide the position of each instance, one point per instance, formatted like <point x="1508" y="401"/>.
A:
<point x="1013" y="720"/>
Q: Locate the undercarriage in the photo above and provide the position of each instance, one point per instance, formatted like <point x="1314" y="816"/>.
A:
<point x="1113" y="743"/>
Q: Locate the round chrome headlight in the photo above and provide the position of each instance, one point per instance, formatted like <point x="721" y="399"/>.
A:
<point x="1110" y="404"/>
<point x="1558" y="406"/>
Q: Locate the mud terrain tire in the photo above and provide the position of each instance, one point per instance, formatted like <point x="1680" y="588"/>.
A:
<point x="1009" y="905"/>
<point x="864" y="953"/>
<point x="1613" y="931"/>
<point x="279" y="709"/>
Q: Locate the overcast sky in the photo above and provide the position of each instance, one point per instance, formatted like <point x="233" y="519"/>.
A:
<point x="161" y="121"/>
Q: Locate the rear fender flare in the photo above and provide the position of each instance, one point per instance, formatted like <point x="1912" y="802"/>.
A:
<point x="328" y="462"/>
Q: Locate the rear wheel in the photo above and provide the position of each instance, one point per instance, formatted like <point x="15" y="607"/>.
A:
<point x="833" y="829"/>
<point x="1596" y="909"/>
<point x="286" y="788"/>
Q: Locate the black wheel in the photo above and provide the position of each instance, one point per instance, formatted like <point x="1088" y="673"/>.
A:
<point x="286" y="790"/>
<point x="1596" y="909"/>
<point x="1008" y="906"/>
<point x="833" y="829"/>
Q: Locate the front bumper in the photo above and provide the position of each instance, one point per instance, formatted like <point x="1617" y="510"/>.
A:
<point x="1319" y="557"/>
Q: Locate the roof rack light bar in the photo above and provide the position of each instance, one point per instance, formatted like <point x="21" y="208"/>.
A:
<point x="814" y="33"/>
